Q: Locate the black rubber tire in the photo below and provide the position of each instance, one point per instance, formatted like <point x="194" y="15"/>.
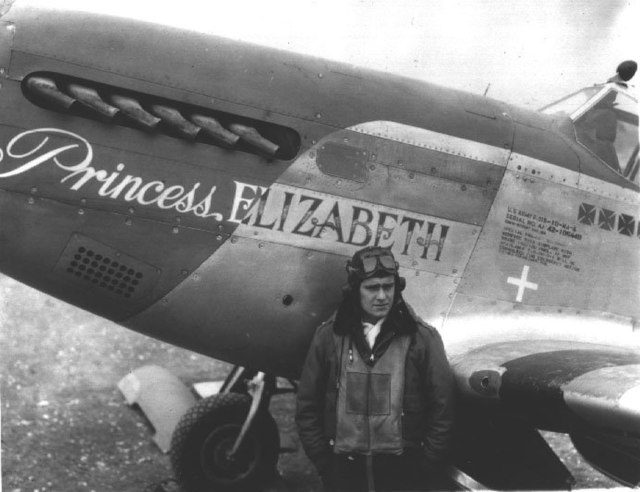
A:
<point x="208" y="431"/>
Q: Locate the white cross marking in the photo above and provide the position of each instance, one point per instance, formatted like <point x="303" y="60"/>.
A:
<point x="522" y="283"/>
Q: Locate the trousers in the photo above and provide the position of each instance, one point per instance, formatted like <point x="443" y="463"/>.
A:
<point x="380" y="473"/>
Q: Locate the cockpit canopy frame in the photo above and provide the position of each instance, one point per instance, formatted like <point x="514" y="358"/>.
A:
<point x="605" y="119"/>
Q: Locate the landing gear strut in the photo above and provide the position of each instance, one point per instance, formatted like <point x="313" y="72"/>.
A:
<point x="229" y="441"/>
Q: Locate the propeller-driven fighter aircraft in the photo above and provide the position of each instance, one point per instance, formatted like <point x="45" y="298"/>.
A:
<point x="207" y="193"/>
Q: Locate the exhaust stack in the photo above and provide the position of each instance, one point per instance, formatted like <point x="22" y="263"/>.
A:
<point x="132" y="109"/>
<point x="252" y="137"/>
<point x="213" y="128"/>
<point x="90" y="98"/>
<point x="173" y="118"/>
<point x="48" y="90"/>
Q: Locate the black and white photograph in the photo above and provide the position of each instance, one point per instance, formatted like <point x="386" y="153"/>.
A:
<point x="319" y="246"/>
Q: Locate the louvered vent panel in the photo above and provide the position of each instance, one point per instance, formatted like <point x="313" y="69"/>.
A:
<point x="92" y="264"/>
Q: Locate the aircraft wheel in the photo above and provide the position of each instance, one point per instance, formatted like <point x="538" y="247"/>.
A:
<point x="206" y="434"/>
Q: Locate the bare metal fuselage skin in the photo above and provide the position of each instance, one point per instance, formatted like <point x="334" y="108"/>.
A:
<point x="237" y="255"/>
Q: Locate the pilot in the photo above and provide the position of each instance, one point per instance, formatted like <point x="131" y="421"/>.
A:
<point x="598" y="132"/>
<point x="375" y="399"/>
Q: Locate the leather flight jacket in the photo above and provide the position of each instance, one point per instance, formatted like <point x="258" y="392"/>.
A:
<point x="370" y="399"/>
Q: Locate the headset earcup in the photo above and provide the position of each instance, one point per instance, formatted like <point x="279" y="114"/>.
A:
<point x="401" y="282"/>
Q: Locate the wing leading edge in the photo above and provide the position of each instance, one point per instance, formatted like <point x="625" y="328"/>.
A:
<point x="589" y="391"/>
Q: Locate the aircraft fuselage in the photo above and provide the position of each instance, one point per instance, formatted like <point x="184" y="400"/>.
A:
<point x="237" y="251"/>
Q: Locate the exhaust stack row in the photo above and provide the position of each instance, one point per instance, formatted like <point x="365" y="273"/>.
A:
<point x="188" y="127"/>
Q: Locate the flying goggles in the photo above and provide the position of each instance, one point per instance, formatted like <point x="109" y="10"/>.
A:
<point x="366" y="263"/>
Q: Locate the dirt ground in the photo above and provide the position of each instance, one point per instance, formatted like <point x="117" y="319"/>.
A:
<point x="67" y="428"/>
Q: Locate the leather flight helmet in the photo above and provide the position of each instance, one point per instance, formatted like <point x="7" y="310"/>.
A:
<point x="373" y="261"/>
